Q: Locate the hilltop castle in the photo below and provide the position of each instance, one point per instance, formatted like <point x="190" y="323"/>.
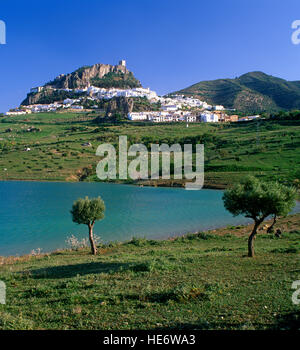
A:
<point x="122" y="63"/>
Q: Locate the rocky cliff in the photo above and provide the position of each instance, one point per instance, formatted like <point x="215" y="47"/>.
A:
<point x="47" y="95"/>
<point x="123" y="105"/>
<point x="86" y="76"/>
<point x="99" y="75"/>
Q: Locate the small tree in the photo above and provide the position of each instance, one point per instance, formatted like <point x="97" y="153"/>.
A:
<point x="87" y="211"/>
<point x="257" y="200"/>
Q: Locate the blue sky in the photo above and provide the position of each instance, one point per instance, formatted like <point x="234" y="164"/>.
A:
<point x="167" y="44"/>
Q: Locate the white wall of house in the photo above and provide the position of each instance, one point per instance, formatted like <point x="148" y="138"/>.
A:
<point x="16" y="113"/>
<point x="209" y="118"/>
<point x="170" y="108"/>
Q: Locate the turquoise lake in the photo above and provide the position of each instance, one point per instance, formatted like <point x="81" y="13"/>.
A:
<point x="37" y="214"/>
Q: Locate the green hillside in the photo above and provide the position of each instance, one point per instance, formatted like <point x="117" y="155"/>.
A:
<point x="253" y="92"/>
<point x="118" y="80"/>
<point x="268" y="148"/>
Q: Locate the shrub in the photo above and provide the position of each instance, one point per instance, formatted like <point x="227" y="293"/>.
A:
<point x="74" y="243"/>
<point x="138" y="242"/>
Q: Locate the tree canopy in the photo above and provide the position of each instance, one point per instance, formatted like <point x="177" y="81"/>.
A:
<point x="86" y="211"/>
<point x="257" y="199"/>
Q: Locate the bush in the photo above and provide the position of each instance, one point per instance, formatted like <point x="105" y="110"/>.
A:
<point x="74" y="243"/>
<point x="138" y="242"/>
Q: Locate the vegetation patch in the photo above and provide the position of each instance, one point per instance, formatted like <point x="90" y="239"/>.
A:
<point x="175" y="284"/>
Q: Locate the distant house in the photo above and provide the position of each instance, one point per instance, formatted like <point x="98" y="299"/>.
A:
<point x="207" y="106"/>
<point x="190" y="118"/>
<point x="219" y="108"/>
<point x="233" y="118"/>
<point x="15" y="112"/>
<point x="251" y="117"/>
<point x="209" y="117"/>
<point x="69" y="101"/>
<point x="76" y="107"/>
<point x="248" y="118"/>
<point x="229" y="118"/>
<point x="170" y="108"/>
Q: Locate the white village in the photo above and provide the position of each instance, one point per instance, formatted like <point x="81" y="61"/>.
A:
<point x="173" y="108"/>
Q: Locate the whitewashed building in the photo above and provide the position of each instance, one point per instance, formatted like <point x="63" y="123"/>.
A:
<point x="207" y="106"/>
<point x="207" y="117"/>
<point x="69" y="101"/>
<point x="190" y="118"/>
<point x="219" y="108"/>
<point x="76" y="107"/>
<point x="170" y="108"/>
<point x="15" y="113"/>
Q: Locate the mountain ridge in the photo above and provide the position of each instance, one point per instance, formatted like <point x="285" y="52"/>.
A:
<point x="253" y="92"/>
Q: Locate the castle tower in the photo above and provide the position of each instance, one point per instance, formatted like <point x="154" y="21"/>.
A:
<point x="122" y="63"/>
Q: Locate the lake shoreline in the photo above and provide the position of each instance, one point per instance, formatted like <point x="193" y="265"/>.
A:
<point x="289" y="222"/>
<point x="42" y="219"/>
<point x="146" y="183"/>
<point x="43" y="216"/>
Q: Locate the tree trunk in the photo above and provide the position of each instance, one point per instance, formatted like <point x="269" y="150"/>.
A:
<point x="251" y="239"/>
<point x="91" y="237"/>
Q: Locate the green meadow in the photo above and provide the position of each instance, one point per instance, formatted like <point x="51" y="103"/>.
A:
<point x="197" y="281"/>
<point x="267" y="148"/>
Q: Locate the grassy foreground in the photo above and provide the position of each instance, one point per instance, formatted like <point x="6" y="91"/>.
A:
<point x="198" y="281"/>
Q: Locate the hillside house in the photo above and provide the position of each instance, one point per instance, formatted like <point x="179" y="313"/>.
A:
<point x="219" y="108"/>
<point x="15" y="112"/>
<point x="208" y="117"/>
<point x="170" y="108"/>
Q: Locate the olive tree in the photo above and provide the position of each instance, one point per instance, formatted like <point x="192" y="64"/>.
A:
<point x="87" y="211"/>
<point x="257" y="200"/>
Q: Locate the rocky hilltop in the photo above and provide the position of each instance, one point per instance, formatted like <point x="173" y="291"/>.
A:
<point x="95" y="75"/>
<point x="98" y="75"/>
